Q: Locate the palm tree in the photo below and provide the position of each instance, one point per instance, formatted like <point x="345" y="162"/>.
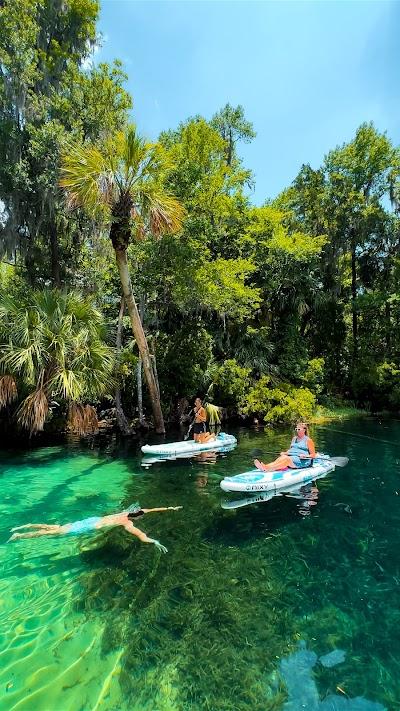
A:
<point x="122" y="182"/>
<point x="52" y="347"/>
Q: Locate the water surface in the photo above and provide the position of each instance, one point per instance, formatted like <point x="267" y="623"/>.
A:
<point x="285" y="605"/>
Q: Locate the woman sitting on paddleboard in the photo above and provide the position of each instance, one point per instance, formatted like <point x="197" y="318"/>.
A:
<point x="124" y="519"/>
<point x="300" y="453"/>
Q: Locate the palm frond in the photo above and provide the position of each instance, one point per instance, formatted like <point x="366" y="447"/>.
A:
<point x="165" y="213"/>
<point x="75" y="419"/>
<point x="8" y="390"/>
<point x="88" y="179"/>
<point x="53" y="341"/>
<point x="213" y="414"/>
<point x="66" y="383"/>
<point x="23" y="361"/>
<point x="90" y="421"/>
<point x="134" y="150"/>
<point x="33" y="411"/>
<point x="82" y="419"/>
<point x="97" y="177"/>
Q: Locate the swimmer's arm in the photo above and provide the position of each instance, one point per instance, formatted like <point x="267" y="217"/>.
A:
<point x="143" y="537"/>
<point x="137" y="532"/>
<point x="163" y="508"/>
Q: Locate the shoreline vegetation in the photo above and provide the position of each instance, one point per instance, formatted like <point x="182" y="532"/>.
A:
<point x="137" y="275"/>
<point x="339" y="412"/>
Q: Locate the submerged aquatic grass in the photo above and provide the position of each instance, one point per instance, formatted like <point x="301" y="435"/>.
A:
<point x="105" y="622"/>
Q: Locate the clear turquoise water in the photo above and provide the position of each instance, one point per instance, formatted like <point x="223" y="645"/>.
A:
<point x="239" y="612"/>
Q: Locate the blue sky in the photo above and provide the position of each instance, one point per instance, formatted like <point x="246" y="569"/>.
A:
<point x="307" y="73"/>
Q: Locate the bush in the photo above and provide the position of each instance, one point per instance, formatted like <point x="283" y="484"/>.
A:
<point x="314" y="375"/>
<point x="388" y="385"/>
<point x="231" y="382"/>
<point x="182" y="359"/>
<point x="377" y="386"/>
<point x="282" y="404"/>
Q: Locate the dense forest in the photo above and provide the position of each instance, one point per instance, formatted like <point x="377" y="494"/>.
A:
<point x="137" y="274"/>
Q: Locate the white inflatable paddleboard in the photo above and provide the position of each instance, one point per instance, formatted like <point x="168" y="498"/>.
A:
<point x="256" y="480"/>
<point x="150" y="459"/>
<point x="189" y="446"/>
<point x="298" y="491"/>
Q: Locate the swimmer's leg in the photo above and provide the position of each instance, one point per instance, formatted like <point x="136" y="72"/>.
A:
<point x="54" y="531"/>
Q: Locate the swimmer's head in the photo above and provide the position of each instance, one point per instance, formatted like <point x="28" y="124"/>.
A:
<point x="136" y="513"/>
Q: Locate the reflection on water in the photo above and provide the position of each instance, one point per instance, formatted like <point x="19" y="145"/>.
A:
<point x="307" y="498"/>
<point x="104" y="622"/>
<point x="306" y="495"/>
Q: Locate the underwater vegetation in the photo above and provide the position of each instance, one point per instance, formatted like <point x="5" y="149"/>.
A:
<point x="271" y="607"/>
<point x="215" y="624"/>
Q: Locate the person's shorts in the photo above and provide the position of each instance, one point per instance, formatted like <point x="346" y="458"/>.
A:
<point x="84" y="526"/>
<point x="199" y="428"/>
<point x="300" y="463"/>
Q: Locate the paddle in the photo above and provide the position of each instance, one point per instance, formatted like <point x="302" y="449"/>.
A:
<point x="187" y="435"/>
<point x="339" y="461"/>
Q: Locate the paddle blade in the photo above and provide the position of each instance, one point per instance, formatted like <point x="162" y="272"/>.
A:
<point x="339" y="461"/>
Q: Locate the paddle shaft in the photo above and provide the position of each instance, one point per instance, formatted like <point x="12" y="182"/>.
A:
<point x="337" y="461"/>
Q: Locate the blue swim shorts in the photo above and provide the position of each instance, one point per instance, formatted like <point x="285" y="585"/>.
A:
<point x="84" y="526"/>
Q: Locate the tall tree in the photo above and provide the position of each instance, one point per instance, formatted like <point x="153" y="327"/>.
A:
<point x="123" y="179"/>
<point x="360" y="173"/>
<point x="44" y="94"/>
<point x="231" y="124"/>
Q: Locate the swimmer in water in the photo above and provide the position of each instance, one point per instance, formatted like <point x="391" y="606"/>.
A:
<point x="124" y="519"/>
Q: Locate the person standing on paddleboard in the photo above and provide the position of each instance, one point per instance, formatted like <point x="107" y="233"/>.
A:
<point x="300" y="453"/>
<point x="200" y="419"/>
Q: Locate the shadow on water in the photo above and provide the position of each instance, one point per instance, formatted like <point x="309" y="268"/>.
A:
<point x="56" y="495"/>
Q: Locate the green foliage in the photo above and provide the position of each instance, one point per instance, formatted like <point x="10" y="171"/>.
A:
<point x="304" y="288"/>
<point x="45" y="98"/>
<point x="213" y="414"/>
<point x="182" y="359"/>
<point x="313" y="377"/>
<point x="388" y="384"/>
<point x="120" y="182"/>
<point x="222" y="288"/>
<point x="230" y="382"/>
<point x="377" y="386"/>
<point x="233" y="127"/>
<point x="52" y="344"/>
<point x="279" y="404"/>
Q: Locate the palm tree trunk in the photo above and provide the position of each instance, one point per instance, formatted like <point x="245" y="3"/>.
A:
<point x="138" y="332"/>
<point x="139" y="379"/>
<point x="123" y="423"/>
<point x="139" y="390"/>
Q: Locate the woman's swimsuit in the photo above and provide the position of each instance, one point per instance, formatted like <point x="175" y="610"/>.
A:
<point x="84" y="526"/>
<point x="199" y="427"/>
<point x="297" y="447"/>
